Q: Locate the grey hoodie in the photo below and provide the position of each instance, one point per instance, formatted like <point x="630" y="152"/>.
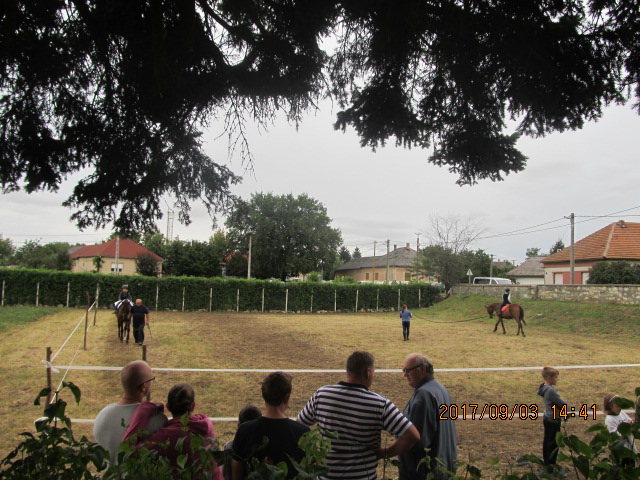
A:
<point x="551" y="397"/>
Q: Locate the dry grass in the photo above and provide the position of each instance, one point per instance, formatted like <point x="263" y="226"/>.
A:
<point x="230" y="340"/>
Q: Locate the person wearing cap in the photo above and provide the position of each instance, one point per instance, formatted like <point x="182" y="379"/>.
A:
<point x="124" y="295"/>
<point x="506" y="298"/>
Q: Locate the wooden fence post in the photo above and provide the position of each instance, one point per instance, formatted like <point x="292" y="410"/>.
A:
<point x="144" y="357"/>
<point x="210" y="298"/>
<point x="262" y="299"/>
<point x="3" y="293"/>
<point x="37" y="293"/>
<point x="86" y="321"/>
<point x="68" y="292"/>
<point x="157" y="293"/>
<point x="48" y="400"/>
<point x="357" y="296"/>
<point x="95" y="312"/>
<point x="286" y="300"/>
<point x="184" y="289"/>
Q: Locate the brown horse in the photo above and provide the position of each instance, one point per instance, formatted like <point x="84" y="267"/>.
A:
<point x="124" y="320"/>
<point x="513" y="310"/>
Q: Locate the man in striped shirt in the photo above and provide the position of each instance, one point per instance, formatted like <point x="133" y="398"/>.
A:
<point x="358" y="416"/>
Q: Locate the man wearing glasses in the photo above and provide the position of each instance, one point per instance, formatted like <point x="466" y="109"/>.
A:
<point x="358" y="415"/>
<point x="436" y="435"/>
<point x="136" y="378"/>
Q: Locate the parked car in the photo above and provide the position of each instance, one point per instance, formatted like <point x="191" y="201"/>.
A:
<point x="491" y="281"/>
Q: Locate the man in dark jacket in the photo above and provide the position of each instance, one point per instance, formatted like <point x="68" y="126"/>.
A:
<point x="140" y="316"/>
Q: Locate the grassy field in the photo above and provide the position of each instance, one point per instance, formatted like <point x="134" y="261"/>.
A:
<point x="455" y="333"/>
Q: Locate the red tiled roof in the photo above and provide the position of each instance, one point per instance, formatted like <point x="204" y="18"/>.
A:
<point x="128" y="249"/>
<point x="617" y="241"/>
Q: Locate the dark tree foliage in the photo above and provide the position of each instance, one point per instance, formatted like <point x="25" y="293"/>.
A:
<point x="344" y="255"/>
<point x="290" y="235"/>
<point x="356" y="253"/>
<point x="557" y="246"/>
<point x="147" y="265"/>
<point x="621" y="273"/>
<point x="52" y="256"/>
<point x="121" y="90"/>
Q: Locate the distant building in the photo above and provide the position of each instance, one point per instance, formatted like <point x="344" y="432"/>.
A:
<point x="530" y="272"/>
<point x="619" y="241"/>
<point x="128" y="252"/>
<point x="374" y="269"/>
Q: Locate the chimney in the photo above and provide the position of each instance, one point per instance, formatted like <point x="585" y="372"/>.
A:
<point x="408" y="245"/>
<point x="395" y="247"/>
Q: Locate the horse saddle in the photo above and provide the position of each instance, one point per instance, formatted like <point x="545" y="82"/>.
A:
<point x="506" y="307"/>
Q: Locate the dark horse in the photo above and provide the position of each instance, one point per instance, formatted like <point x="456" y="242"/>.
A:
<point x="513" y="310"/>
<point x="124" y="319"/>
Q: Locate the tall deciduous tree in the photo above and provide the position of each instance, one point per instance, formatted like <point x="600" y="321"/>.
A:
<point x="6" y="250"/>
<point x="533" y="252"/>
<point x="125" y="87"/>
<point x="52" y="256"/>
<point x="290" y="235"/>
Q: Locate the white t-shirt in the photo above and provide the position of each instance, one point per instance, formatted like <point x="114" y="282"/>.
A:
<point x="113" y="420"/>
<point x="612" y="422"/>
<point x="108" y="429"/>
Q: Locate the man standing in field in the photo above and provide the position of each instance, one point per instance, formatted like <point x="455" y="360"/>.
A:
<point x="136" y="378"/>
<point x="358" y="416"/>
<point x="437" y="435"/>
<point x="140" y="316"/>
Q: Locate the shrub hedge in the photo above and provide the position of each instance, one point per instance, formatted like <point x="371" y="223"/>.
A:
<point x="48" y="287"/>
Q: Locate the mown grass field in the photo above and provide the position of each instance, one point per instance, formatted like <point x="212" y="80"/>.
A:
<point x="455" y="333"/>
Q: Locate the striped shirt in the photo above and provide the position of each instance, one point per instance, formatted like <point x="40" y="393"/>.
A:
<point x="358" y="416"/>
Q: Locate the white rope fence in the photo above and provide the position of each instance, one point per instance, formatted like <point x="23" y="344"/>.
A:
<point x="67" y="368"/>
<point x="381" y="370"/>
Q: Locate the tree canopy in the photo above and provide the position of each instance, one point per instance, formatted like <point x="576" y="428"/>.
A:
<point x="290" y="235"/>
<point x="122" y="90"/>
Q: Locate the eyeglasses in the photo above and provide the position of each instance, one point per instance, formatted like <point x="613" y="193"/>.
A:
<point x="147" y="381"/>
<point x="405" y="370"/>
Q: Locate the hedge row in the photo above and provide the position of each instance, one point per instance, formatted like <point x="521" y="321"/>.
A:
<point x="48" y="287"/>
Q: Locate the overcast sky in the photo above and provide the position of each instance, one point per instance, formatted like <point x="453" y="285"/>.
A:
<point x="391" y="193"/>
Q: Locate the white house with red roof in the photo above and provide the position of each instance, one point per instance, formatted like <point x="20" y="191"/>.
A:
<point x="619" y="241"/>
<point x="126" y="250"/>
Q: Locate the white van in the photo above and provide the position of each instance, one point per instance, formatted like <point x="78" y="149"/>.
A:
<point x="491" y="281"/>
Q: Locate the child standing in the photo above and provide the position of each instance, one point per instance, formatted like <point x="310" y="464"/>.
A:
<point x="615" y="416"/>
<point x="406" y="316"/>
<point x="551" y="420"/>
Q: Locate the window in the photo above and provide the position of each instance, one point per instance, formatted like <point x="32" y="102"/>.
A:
<point x="407" y="277"/>
<point x="113" y="268"/>
<point x="366" y="276"/>
<point x="375" y="276"/>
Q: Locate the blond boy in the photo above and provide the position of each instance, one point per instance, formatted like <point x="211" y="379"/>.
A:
<point x="551" y="420"/>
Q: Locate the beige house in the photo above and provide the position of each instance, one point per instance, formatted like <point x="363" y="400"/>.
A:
<point x="396" y="266"/>
<point x="126" y="250"/>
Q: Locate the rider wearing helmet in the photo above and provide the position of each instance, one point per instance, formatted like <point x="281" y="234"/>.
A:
<point x="506" y="298"/>
<point x="124" y="295"/>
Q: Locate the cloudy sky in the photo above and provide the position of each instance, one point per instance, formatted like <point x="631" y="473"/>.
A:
<point x="391" y="194"/>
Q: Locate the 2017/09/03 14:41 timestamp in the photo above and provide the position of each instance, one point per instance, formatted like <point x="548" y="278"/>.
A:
<point x="510" y="412"/>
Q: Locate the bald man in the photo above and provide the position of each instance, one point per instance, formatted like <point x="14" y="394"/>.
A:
<point x="438" y="435"/>
<point x="136" y="378"/>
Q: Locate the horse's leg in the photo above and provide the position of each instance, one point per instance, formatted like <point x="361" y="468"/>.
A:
<point x="496" y="327"/>
<point x="127" y="328"/>
<point x="504" y="331"/>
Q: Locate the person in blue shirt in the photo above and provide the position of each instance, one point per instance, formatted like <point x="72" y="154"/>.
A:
<point x="406" y="316"/>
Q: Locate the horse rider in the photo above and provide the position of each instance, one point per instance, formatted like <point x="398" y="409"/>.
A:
<point x="506" y="299"/>
<point x="124" y="295"/>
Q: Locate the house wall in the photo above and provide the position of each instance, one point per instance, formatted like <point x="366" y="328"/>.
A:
<point x="560" y="274"/>
<point x="128" y="265"/>
<point x="618" y="294"/>
<point x="378" y="274"/>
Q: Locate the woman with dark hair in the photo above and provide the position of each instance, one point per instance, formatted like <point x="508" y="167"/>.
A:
<point x="180" y="402"/>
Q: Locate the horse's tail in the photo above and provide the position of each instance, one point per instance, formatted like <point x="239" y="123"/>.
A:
<point x="522" y="314"/>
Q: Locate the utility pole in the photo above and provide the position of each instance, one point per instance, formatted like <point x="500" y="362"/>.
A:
<point x="117" y="272"/>
<point x="249" y="260"/>
<point x="572" y="256"/>
<point x="373" y="269"/>
<point x="387" y="276"/>
<point x="491" y="266"/>
<point x="417" y="254"/>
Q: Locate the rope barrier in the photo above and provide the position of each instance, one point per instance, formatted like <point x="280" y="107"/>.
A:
<point x="74" y="331"/>
<point x="485" y="416"/>
<point x="381" y="370"/>
<point x="453" y="321"/>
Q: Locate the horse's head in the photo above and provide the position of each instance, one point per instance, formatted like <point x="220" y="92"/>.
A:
<point x="490" y="310"/>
